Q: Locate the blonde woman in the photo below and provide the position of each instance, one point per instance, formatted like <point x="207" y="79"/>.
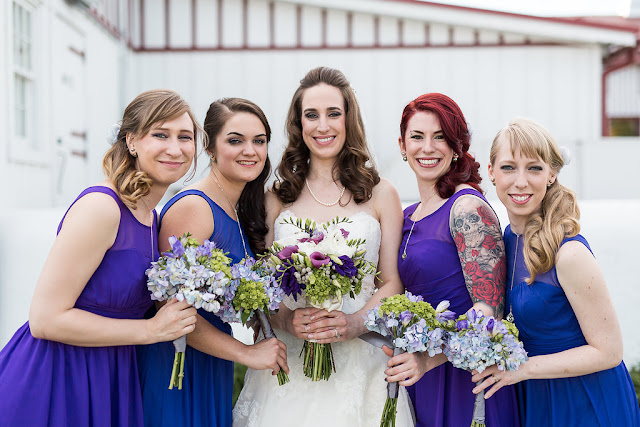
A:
<point x="556" y="293"/>
<point x="74" y="361"/>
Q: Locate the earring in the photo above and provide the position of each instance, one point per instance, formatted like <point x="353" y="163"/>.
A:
<point x="455" y="157"/>
<point x="404" y="156"/>
<point x="550" y="183"/>
<point x="493" y="181"/>
<point x="213" y="159"/>
<point x="133" y="152"/>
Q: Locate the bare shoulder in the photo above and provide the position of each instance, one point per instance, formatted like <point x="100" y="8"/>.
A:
<point x="190" y="214"/>
<point x="384" y="188"/>
<point x="471" y="204"/>
<point x="573" y="255"/>
<point x="94" y="217"/>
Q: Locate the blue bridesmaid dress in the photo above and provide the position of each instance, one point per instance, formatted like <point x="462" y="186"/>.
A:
<point x="207" y="387"/>
<point x="547" y="325"/>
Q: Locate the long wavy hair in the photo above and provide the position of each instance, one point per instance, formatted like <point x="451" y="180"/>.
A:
<point x="146" y="110"/>
<point x="353" y="167"/>
<point x="251" y="204"/>
<point x="456" y="132"/>
<point x="558" y="215"/>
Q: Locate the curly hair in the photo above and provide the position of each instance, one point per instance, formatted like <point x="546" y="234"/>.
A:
<point x="559" y="215"/>
<point x="251" y="204"/>
<point x="146" y="110"/>
<point x="353" y="167"/>
<point x="456" y="132"/>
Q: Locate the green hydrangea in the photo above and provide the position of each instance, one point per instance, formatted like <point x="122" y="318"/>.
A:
<point x="250" y="296"/>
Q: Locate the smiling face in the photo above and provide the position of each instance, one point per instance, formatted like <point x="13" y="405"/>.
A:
<point x="521" y="182"/>
<point x="166" y="151"/>
<point x="241" y="148"/>
<point x="428" y="153"/>
<point x="323" y="121"/>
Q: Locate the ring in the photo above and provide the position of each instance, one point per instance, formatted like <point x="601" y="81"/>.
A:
<point x="337" y="333"/>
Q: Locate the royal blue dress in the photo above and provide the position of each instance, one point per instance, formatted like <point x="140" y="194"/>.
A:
<point x="207" y="387"/>
<point x="443" y="396"/>
<point x="547" y="325"/>
<point x="48" y="383"/>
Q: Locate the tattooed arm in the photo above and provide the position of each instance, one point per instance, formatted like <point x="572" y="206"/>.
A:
<point x="476" y="232"/>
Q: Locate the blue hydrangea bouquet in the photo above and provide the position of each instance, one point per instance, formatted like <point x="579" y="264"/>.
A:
<point x="475" y="342"/>
<point x="189" y="271"/>
<point x="412" y="325"/>
<point x="321" y="262"/>
<point x="253" y="292"/>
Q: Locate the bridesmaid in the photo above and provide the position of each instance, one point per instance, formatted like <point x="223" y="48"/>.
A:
<point x="226" y="207"/>
<point x="451" y="250"/>
<point x="556" y="294"/>
<point x="73" y="362"/>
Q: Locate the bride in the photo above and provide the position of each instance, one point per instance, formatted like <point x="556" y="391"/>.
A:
<point x="326" y="172"/>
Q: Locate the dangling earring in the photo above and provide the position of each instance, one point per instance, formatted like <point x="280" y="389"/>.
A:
<point x="133" y="152"/>
<point x="493" y="181"/>
<point x="550" y="183"/>
<point x="404" y="156"/>
<point x="455" y="157"/>
<point x="213" y="158"/>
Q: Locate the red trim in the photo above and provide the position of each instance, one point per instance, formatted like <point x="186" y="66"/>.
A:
<point x="616" y="61"/>
<point x="376" y="30"/>
<point x="349" y="29"/>
<point x="104" y="23"/>
<point x="401" y="32"/>
<point x="452" y="36"/>
<point x="167" y="29"/>
<point x="299" y="26"/>
<point x="324" y="28"/>
<point x="312" y="48"/>
<point x="272" y="25"/>
<point x="142" y="44"/>
<point x="245" y="23"/>
<point x="220" y="24"/>
<point x="560" y="20"/>
<point x="129" y="24"/>
<point x="194" y="24"/>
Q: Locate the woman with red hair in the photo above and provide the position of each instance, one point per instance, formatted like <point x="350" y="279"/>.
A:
<point x="451" y="250"/>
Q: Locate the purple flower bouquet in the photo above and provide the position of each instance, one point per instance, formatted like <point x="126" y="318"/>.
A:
<point x="413" y="325"/>
<point x="324" y="265"/>
<point x="198" y="274"/>
<point x="475" y="342"/>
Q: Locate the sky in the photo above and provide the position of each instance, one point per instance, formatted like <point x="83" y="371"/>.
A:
<point x="550" y="7"/>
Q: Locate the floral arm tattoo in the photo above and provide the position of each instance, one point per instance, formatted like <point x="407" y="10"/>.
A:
<point x="476" y="232"/>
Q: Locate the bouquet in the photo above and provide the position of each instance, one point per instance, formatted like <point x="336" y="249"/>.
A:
<point x="324" y="264"/>
<point x="253" y="290"/>
<point x="412" y="325"/>
<point x="198" y="274"/>
<point x="476" y="342"/>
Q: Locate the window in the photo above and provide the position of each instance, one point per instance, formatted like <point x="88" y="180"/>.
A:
<point x="25" y="146"/>
<point x="627" y="126"/>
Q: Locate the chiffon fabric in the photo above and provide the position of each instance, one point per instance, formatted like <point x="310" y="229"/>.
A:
<point x="207" y="387"/>
<point x="354" y="395"/>
<point x="443" y="396"/>
<point x="48" y="383"/>
<point x="547" y="325"/>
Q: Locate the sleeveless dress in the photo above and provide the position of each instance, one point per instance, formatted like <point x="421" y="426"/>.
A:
<point x="47" y="383"/>
<point x="207" y="387"/>
<point x="443" y="397"/>
<point x="547" y="325"/>
<point x="354" y="395"/>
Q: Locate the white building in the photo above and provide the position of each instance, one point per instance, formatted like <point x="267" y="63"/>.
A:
<point x="69" y="67"/>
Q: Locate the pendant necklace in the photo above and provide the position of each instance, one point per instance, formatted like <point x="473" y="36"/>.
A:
<point x="213" y="176"/>
<point x="323" y="203"/>
<point x="510" y="317"/>
<point x="151" y="226"/>
<point x="404" y="252"/>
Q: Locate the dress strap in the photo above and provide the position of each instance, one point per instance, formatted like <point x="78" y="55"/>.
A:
<point x="215" y="209"/>
<point x="94" y="189"/>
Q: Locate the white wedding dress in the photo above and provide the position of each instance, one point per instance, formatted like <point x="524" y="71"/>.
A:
<point x="354" y="395"/>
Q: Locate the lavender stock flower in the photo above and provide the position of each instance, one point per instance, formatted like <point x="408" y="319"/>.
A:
<point x="347" y="268"/>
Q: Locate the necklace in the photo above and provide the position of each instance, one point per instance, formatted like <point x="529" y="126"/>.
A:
<point x="323" y="203"/>
<point x="151" y="226"/>
<point x="213" y="176"/>
<point x="404" y="252"/>
<point x="513" y="274"/>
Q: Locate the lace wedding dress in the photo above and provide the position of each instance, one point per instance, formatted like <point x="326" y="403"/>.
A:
<point x="354" y="395"/>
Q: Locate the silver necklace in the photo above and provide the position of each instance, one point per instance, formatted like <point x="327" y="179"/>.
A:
<point x="510" y="317"/>
<point x="404" y="253"/>
<point x="323" y="203"/>
<point x="151" y="226"/>
<point x="213" y="176"/>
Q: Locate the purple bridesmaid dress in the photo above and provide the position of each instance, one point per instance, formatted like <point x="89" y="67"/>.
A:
<point x="47" y="383"/>
<point x="432" y="269"/>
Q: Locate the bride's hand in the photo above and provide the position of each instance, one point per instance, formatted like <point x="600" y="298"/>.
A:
<point x="332" y="326"/>
<point x="300" y="322"/>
